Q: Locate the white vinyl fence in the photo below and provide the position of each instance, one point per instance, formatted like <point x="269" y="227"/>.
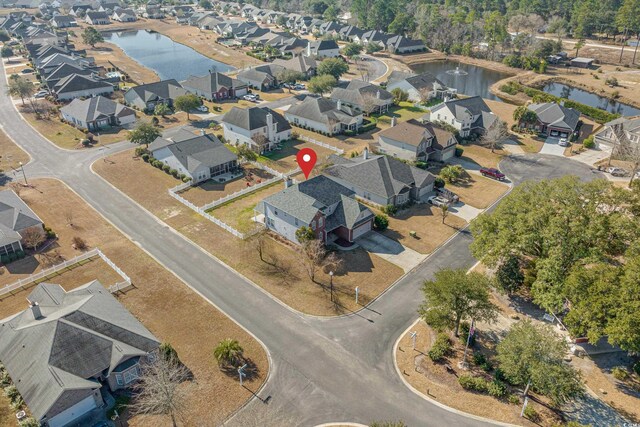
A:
<point x="322" y="144"/>
<point x="240" y="193"/>
<point x="68" y="263"/>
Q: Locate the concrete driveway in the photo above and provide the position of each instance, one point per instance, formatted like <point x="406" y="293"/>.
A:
<point x="464" y="211"/>
<point x="390" y="250"/>
<point x="551" y="147"/>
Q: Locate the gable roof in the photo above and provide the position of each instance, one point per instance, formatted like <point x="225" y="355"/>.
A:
<point x="81" y="333"/>
<point x="212" y="82"/>
<point x="65" y="70"/>
<point x="193" y="150"/>
<point x="413" y="132"/>
<point x="15" y="216"/>
<point x="322" y="110"/>
<point x="261" y="73"/>
<point x="95" y="107"/>
<point x="97" y="15"/>
<point x="552" y="114"/>
<point x="323" y="45"/>
<point x="164" y="89"/>
<point x="380" y="175"/>
<point x="254" y="118"/>
<point x="301" y="63"/>
<point x="423" y="81"/>
<point x="75" y="82"/>
<point x="473" y="105"/>
<point x="359" y="92"/>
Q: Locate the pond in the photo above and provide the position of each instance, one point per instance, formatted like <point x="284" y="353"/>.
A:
<point x="591" y="99"/>
<point x="469" y="79"/>
<point x="170" y="60"/>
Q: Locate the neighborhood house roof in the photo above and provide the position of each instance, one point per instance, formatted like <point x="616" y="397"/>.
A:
<point x="79" y="334"/>
<point x="261" y="73"/>
<point x="97" y="16"/>
<point x="94" y="108"/>
<point x="301" y="63"/>
<point x="15" y="216"/>
<point x="361" y="93"/>
<point x="212" y="82"/>
<point x="321" y="45"/>
<point x="552" y="114"/>
<point x="323" y="110"/>
<point x="413" y="132"/>
<point x="76" y="82"/>
<point x="473" y="105"/>
<point x="164" y="89"/>
<point x="254" y="118"/>
<point x="193" y="151"/>
<point x="380" y="175"/>
<point x="423" y="81"/>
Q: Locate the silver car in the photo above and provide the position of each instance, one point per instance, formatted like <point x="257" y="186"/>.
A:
<point x="438" y="201"/>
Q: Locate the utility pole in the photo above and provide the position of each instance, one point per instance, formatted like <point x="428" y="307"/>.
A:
<point x="357" y="294"/>
<point x="241" y="373"/>
<point x="331" y="284"/>
<point x="526" y="398"/>
<point x="413" y="335"/>
<point x="23" y="174"/>
<point x="472" y="331"/>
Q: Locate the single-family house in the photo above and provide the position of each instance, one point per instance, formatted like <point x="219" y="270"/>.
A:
<point x="153" y="12"/>
<point x="67" y="345"/>
<point x="414" y="140"/>
<point x="611" y="132"/>
<point x="467" y="115"/>
<point x="373" y="36"/>
<point x="147" y="96"/>
<point x="302" y="64"/>
<point x="97" y="113"/>
<point x="63" y="21"/>
<point x="401" y="44"/>
<point x="349" y="32"/>
<point x="124" y="15"/>
<point x="553" y="119"/>
<point x="328" y="208"/>
<point x="215" y="86"/>
<point x="97" y="18"/>
<point x="324" y="115"/>
<point x="363" y="96"/>
<point x="199" y="156"/>
<point x="260" y="128"/>
<point x="323" y="49"/>
<point x="420" y="87"/>
<point x="380" y="179"/>
<point x="262" y="77"/>
<point x="78" y="86"/>
<point x="16" y="218"/>
<point x="582" y="62"/>
<point x="79" y="8"/>
<point x="65" y="70"/>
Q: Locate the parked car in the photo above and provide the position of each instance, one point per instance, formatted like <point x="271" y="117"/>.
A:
<point x="40" y="94"/>
<point x="438" y="201"/>
<point x="563" y="142"/>
<point x="202" y="108"/>
<point x="448" y="195"/>
<point x="617" y="171"/>
<point x="289" y="86"/>
<point x="299" y="86"/>
<point x="492" y="173"/>
<point x="27" y="71"/>
<point x="251" y="97"/>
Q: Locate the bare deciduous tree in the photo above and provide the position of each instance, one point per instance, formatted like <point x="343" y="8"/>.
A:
<point x="369" y="103"/>
<point x="260" y="245"/>
<point x="316" y="256"/>
<point x="444" y="210"/>
<point x="496" y="135"/>
<point x="16" y="187"/>
<point x="32" y="237"/>
<point x="159" y="390"/>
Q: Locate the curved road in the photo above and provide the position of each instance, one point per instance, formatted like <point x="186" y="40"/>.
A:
<point x="323" y="370"/>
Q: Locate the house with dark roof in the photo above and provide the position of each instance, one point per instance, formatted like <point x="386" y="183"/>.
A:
<point x="612" y="131"/>
<point x="364" y="97"/>
<point x="124" y="15"/>
<point x="67" y="345"/>
<point x="262" y="77"/>
<point x="373" y="36"/>
<point x="380" y="179"/>
<point x="420" y="87"/>
<point x="63" y="21"/>
<point x="65" y="70"/>
<point x="16" y="218"/>
<point x="466" y="115"/>
<point x="328" y="208"/>
<point x="349" y="32"/>
<point x="553" y="119"/>
<point x="78" y="86"/>
<point x="324" y="115"/>
<point x="147" y="96"/>
<point x="51" y="62"/>
<point x="199" y="156"/>
<point x="323" y="49"/>
<point x="97" y="18"/>
<point x="401" y="44"/>
<point x="415" y="140"/>
<point x="97" y="113"/>
<point x="215" y="86"/>
<point x="260" y="128"/>
<point x="302" y="64"/>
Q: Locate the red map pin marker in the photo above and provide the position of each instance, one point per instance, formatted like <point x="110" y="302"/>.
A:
<point x="306" y="160"/>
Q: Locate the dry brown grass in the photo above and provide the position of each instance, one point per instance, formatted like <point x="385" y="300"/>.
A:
<point x="285" y="160"/>
<point x="435" y="381"/>
<point x="10" y="154"/>
<point x="287" y="281"/>
<point x="7" y="416"/>
<point x="165" y="305"/>
<point x="348" y="144"/>
<point x="426" y="221"/>
<point x="482" y="156"/>
<point x="478" y="191"/>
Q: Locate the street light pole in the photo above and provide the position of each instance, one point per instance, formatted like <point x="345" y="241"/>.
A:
<point x="241" y="373"/>
<point x="331" y="284"/>
<point x="23" y="174"/>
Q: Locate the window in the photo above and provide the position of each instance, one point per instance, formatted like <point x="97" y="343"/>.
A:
<point x="119" y="380"/>
<point x="320" y="221"/>
<point x="313" y="225"/>
<point x="131" y="375"/>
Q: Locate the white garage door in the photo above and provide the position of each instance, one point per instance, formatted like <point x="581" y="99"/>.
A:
<point x="361" y="229"/>
<point x="70" y="414"/>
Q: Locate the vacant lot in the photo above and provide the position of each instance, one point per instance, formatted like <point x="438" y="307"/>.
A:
<point x="281" y="274"/>
<point x="426" y="221"/>
<point x="284" y="160"/>
<point x="10" y="154"/>
<point x="165" y="305"/>
<point x="478" y="191"/>
<point x="482" y="156"/>
<point x="348" y="144"/>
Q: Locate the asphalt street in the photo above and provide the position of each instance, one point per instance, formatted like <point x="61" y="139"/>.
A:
<point x="323" y="370"/>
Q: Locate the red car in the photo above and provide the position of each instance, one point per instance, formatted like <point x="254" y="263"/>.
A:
<point x="492" y="173"/>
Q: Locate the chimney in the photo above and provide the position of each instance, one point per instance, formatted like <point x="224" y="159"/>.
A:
<point x="202" y="132"/>
<point x="270" y="130"/>
<point x="393" y="121"/>
<point x="339" y="104"/>
<point x="35" y="309"/>
<point x="287" y="182"/>
<point x="365" y="153"/>
<point x="378" y="94"/>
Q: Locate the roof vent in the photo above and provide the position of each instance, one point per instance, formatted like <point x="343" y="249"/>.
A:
<point x="35" y="309"/>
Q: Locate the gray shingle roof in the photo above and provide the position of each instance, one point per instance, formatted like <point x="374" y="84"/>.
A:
<point x="15" y="216"/>
<point x="164" y="89"/>
<point x="261" y="73"/>
<point x="474" y="105"/>
<point x="322" y="110"/>
<point x="212" y="82"/>
<point x="552" y="114"/>
<point x="380" y="175"/>
<point x="76" y="82"/>
<point x="81" y="333"/>
<point x="301" y="63"/>
<point x="413" y="132"/>
<point x="254" y="118"/>
<point x="65" y="70"/>
<point x="361" y="93"/>
<point x="95" y="107"/>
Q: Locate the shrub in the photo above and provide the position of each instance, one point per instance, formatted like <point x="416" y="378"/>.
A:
<point x="381" y="222"/>
<point x="620" y="373"/>
<point x="421" y="164"/>
<point x="79" y="243"/>
<point x="390" y="210"/>
<point x="186" y="179"/>
<point x="140" y="151"/>
<point x="513" y="399"/>
<point x="49" y="233"/>
<point x="20" y="254"/>
<point x="509" y="88"/>
<point x="11" y="392"/>
<point x="28" y="422"/>
<point x="496" y="389"/>
<point x="589" y="142"/>
<point x="531" y="413"/>
<point x="145" y="157"/>
<point x="174" y="172"/>
<point x="636" y="368"/>
<point x="439" y="182"/>
<point x="4" y="259"/>
<point x="611" y="81"/>
<point x="166" y="168"/>
<point x="86" y="142"/>
<point x="5" y="379"/>
<point x="441" y="347"/>
<point x="459" y="151"/>
<point x="479" y="359"/>
<point x="17" y="404"/>
<point x="473" y="383"/>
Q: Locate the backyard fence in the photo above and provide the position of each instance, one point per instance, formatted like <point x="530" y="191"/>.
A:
<point x="65" y="264"/>
<point x="322" y="144"/>
<point x="240" y="193"/>
<point x="181" y="187"/>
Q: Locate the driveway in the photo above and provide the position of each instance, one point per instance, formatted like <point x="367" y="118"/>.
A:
<point x="591" y="157"/>
<point x="551" y="147"/>
<point x="390" y="250"/>
<point x="464" y="211"/>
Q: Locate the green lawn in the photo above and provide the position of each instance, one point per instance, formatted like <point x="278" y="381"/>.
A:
<point x="403" y="112"/>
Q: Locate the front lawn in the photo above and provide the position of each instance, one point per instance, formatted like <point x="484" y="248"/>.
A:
<point x="10" y="154"/>
<point x="402" y="113"/>
<point x="478" y="191"/>
<point x="284" y="160"/>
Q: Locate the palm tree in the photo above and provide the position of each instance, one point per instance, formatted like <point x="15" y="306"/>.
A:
<point x="228" y="352"/>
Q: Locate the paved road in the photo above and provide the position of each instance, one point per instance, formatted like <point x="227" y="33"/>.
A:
<point x="323" y="370"/>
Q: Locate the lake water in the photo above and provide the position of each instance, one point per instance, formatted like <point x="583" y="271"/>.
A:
<point x="170" y="60"/>
<point x="591" y="99"/>
<point x="476" y="81"/>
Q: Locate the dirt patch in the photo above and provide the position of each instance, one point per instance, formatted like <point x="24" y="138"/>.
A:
<point x="165" y="305"/>
<point x="286" y="280"/>
<point x="10" y="154"/>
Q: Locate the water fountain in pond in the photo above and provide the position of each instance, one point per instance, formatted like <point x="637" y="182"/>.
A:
<point x="457" y="72"/>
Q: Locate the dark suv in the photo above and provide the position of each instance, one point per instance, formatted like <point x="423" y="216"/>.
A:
<point x="492" y="173"/>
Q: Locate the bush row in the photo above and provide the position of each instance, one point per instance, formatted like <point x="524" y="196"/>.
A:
<point x="6" y="259"/>
<point x="441" y="347"/>
<point x="493" y="388"/>
<point x="164" y="167"/>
